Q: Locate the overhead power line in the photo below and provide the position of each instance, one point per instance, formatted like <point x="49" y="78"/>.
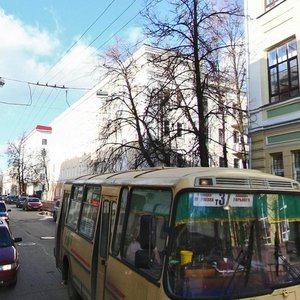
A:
<point x="82" y="35"/>
<point x="48" y="85"/>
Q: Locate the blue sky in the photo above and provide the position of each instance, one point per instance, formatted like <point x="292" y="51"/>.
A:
<point x="42" y="41"/>
<point x="35" y="36"/>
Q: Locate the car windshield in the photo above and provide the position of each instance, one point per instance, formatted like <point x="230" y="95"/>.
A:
<point x="33" y="200"/>
<point x="234" y="245"/>
<point x="2" y="207"/>
<point x="5" y="239"/>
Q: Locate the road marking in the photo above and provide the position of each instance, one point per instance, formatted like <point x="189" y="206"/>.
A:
<point x="27" y="244"/>
<point x="47" y="237"/>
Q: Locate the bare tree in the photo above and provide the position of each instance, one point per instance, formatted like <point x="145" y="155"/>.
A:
<point x="137" y="106"/>
<point x="232" y="66"/>
<point x="16" y="162"/>
<point x="191" y="30"/>
<point x="27" y="167"/>
<point x="36" y="169"/>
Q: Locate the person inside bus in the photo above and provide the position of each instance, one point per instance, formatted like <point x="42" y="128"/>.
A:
<point x="136" y="245"/>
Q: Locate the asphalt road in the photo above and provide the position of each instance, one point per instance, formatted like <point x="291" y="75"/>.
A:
<point x="38" y="277"/>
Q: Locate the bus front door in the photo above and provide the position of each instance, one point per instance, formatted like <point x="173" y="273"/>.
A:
<point x="107" y="216"/>
<point x="60" y="222"/>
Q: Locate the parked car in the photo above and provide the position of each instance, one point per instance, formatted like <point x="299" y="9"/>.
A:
<point x="9" y="257"/>
<point x="20" y="201"/>
<point x="11" y="199"/>
<point x="2" y="197"/>
<point x="32" y="203"/>
<point x="4" y="211"/>
<point x="55" y="210"/>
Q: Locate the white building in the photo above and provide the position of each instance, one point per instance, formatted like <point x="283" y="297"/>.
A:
<point x="75" y="133"/>
<point x="37" y="145"/>
<point x="273" y="28"/>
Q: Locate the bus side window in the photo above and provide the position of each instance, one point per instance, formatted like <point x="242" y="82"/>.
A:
<point x="89" y="212"/>
<point x="105" y="214"/>
<point x="116" y="243"/>
<point x="74" y="208"/>
<point x="148" y="213"/>
<point x="161" y="212"/>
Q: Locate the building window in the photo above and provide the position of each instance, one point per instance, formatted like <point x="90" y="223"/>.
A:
<point x="234" y="109"/>
<point x="221" y="137"/>
<point x="179" y="129"/>
<point x="179" y="96"/>
<point x="235" y="136"/>
<point x="221" y="107"/>
<point x="283" y="72"/>
<point x="277" y="164"/>
<point x="166" y="128"/>
<point x="205" y="105"/>
<point x="44" y="141"/>
<point x="236" y="163"/>
<point x="272" y="3"/>
<point x="221" y="161"/>
<point x="296" y="165"/>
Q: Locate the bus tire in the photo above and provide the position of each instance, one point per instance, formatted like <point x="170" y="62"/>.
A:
<point x="72" y="292"/>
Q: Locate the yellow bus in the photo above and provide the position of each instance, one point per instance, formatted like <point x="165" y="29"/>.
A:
<point x="180" y="233"/>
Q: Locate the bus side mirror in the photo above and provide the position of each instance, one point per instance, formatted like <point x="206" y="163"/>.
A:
<point x="147" y="232"/>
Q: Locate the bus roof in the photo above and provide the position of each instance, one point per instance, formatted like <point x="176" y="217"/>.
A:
<point x="219" y="177"/>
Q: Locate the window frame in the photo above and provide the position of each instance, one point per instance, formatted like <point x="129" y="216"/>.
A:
<point x="296" y="165"/>
<point x="74" y="209"/>
<point x="271" y="4"/>
<point x="83" y="210"/>
<point x="277" y="167"/>
<point x="134" y="203"/>
<point x="89" y="207"/>
<point x="279" y="59"/>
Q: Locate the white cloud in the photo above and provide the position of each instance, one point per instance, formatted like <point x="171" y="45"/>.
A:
<point x="30" y="51"/>
<point x="24" y="49"/>
<point x="16" y="36"/>
<point x="135" y="34"/>
<point x="77" y="68"/>
<point x="27" y="55"/>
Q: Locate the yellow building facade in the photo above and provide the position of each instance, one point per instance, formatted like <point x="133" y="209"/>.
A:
<point x="273" y="35"/>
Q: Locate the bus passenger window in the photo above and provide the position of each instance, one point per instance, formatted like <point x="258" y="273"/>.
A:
<point x="119" y="222"/>
<point x="74" y="208"/>
<point x="89" y="212"/>
<point x="147" y="217"/>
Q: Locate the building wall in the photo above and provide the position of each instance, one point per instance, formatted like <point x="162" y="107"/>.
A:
<point x="274" y="126"/>
<point x="74" y="140"/>
<point x="35" y="142"/>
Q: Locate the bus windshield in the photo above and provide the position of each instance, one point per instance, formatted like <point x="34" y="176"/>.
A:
<point x="234" y="245"/>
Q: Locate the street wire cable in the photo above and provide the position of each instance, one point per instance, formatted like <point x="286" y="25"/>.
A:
<point x="82" y="35"/>
<point x="103" y="31"/>
<point x="53" y="86"/>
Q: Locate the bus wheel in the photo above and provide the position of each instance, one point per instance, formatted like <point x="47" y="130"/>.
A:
<point x="72" y="293"/>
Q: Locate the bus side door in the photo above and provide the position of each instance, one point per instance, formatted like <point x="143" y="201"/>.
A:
<point x="60" y="223"/>
<point x="107" y="215"/>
